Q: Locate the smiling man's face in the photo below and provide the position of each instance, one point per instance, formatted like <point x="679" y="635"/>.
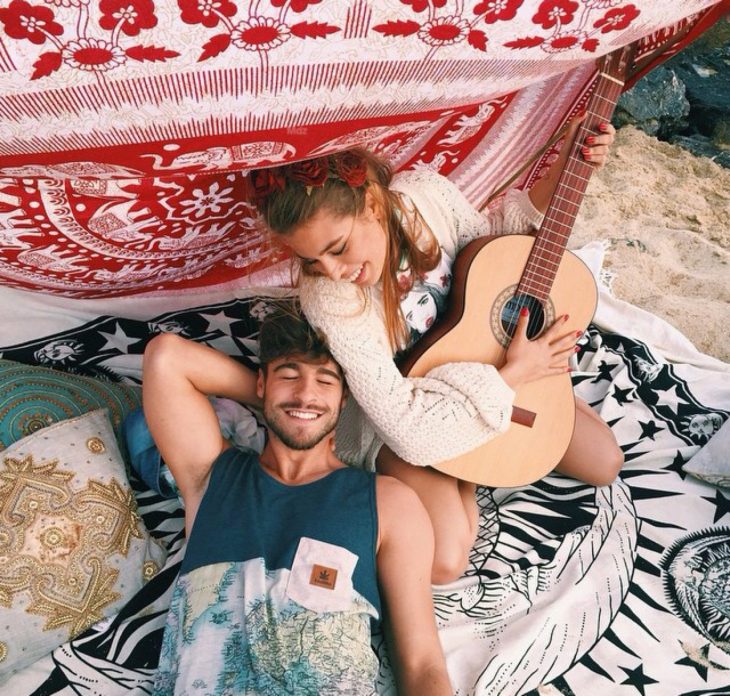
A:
<point x="302" y="400"/>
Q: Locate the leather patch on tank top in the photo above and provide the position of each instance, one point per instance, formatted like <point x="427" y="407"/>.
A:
<point x="322" y="576"/>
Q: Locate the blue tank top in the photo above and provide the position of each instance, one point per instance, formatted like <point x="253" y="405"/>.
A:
<point x="278" y="587"/>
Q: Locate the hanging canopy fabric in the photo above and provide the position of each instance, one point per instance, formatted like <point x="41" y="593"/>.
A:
<point x="126" y="131"/>
<point x="127" y="126"/>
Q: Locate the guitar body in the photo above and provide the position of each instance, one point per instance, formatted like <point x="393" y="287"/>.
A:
<point x="493" y="279"/>
<point x="486" y="274"/>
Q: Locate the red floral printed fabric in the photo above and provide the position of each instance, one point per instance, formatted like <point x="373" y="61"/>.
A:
<point x="127" y="126"/>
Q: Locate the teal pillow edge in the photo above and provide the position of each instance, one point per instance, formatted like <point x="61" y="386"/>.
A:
<point x="33" y="397"/>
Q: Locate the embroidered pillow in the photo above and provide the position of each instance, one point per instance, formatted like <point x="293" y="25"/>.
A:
<point x="73" y="549"/>
<point x="35" y="397"/>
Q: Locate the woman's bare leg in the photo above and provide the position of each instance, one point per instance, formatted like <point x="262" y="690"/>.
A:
<point x="593" y="454"/>
<point x="451" y="504"/>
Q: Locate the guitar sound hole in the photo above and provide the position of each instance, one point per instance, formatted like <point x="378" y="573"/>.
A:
<point x="511" y="313"/>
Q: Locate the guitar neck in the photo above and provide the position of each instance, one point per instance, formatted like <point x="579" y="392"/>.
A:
<point x="552" y="238"/>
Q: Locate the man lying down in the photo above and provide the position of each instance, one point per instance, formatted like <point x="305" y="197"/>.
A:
<point x="290" y="554"/>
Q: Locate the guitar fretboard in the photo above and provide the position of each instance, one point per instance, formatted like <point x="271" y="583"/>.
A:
<point x="552" y="239"/>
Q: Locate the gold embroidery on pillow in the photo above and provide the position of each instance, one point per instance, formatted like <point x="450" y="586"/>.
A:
<point x="75" y="605"/>
<point x="112" y="509"/>
<point x="22" y="475"/>
<point x="149" y="570"/>
<point x="56" y="543"/>
<point x="95" y="445"/>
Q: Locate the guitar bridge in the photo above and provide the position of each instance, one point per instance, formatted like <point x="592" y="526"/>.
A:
<point x="523" y="417"/>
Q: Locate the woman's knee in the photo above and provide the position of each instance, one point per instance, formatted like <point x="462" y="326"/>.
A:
<point x="608" y="467"/>
<point x="450" y="559"/>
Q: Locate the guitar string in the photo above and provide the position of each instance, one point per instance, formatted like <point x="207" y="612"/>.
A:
<point x="534" y="270"/>
<point x="536" y="274"/>
<point x="565" y="192"/>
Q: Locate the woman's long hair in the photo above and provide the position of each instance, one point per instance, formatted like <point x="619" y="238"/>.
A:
<point x="290" y="195"/>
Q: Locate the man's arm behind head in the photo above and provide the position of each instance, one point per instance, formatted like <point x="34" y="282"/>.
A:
<point x="178" y="375"/>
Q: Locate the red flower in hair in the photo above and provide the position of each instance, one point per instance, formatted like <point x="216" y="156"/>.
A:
<point x="264" y="182"/>
<point x="313" y="172"/>
<point x="351" y="168"/>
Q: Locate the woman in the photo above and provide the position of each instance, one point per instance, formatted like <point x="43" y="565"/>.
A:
<point x="369" y="244"/>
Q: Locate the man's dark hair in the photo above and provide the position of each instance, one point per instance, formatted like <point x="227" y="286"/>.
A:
<point x="286" y="332"/>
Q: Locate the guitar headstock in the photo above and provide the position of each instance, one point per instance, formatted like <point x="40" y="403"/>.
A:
<point x="617" y="64"/>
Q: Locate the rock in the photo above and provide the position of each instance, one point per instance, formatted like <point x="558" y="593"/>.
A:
<point x="702" y="146"/>
<point x="686" y="101"/>
<point x="707" y="81"/>
<point x="656" y="104"/>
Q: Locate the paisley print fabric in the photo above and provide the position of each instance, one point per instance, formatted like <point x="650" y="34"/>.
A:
<point x="127" y="126"/>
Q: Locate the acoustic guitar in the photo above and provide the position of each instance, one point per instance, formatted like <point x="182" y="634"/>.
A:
<point x="493" y="279"/>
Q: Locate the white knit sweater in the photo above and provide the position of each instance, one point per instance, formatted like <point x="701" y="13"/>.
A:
<point x="455" y="407"/>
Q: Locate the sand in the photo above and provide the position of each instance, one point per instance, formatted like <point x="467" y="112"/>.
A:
<point x="665" y="215"/>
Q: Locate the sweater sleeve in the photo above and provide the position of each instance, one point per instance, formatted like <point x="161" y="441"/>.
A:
<point x="426" y="420"/>
<point x="454" y="220"/>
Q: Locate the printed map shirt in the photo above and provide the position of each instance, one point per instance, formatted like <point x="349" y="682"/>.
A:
<point x="277" y="590"/>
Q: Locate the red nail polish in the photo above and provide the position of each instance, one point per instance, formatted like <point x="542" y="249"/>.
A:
<point x="566" y="317"/>
<point x="591" y="139"/>
<point x="577" y="348"/>
<point x="603" y="127"/>
<point x="578" y="334"/>
<point x="524" y="312"/>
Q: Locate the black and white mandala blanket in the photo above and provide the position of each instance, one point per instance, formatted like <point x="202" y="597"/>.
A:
<point x="571" y="589"/>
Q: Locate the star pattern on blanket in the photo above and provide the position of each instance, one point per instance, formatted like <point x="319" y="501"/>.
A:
<point x="677" y="466"/>
<point x="637" y="678"/>
<point x="699" y="659"/>
<point x="670" y="398"/>
<point x="220" y="321"/>
<point x="101" y="348"/>
<point x="622" y="395"/>
<point x="605" y="372"/>
<point x="119" y="341"/>
<point x="649" y="429"/>
<point x="721" y="503"/>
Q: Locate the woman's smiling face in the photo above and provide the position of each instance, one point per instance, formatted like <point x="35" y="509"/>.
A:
<point x="350" y="249"/>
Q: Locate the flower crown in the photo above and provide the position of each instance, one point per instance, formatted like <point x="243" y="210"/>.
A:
<point x="349" y="167"/>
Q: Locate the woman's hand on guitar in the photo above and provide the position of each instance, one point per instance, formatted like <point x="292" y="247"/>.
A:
<point x="594" y="150"/>
<point x="546" y="355"/>
<point x="595" y="146"/>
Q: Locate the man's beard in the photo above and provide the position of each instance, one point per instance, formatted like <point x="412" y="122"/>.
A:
<point x="294" y="440"/>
